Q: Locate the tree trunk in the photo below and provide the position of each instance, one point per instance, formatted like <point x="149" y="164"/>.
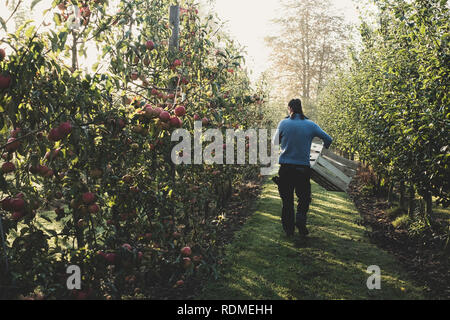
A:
<point x="378" y="187"/>
<point x="402" y="201"/>
<point x="412" y="203"/>
<point x="391" y="194"/>
<point x="74" y="52"/>
<point x="428" y="203"/>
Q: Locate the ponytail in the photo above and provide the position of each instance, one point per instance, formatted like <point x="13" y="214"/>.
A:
<point x="296" y="106"/>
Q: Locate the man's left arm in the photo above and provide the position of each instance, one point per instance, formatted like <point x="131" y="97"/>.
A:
<point x="327" y="140"/>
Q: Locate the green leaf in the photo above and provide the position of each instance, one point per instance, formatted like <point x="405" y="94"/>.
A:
<point x="3" y="23"/>
<point x="57" y="19"/>
<point x="29" y="32"/>
<point x="35" y="2"/>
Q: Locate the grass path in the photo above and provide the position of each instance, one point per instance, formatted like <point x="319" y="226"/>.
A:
<point x="263" y="263"/>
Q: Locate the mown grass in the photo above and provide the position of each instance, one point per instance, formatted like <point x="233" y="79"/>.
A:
<point x="263" y="263"/>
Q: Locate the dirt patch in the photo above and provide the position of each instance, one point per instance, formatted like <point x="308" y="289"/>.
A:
<point x="425" y="259"/>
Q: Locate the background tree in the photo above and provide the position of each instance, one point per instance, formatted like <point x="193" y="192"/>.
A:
<point x="309" y="45"/>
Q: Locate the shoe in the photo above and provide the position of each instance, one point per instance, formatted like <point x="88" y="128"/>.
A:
<point x="302" y="229"/>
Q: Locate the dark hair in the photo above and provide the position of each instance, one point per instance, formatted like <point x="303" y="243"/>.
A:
<point x="296" y="106"/>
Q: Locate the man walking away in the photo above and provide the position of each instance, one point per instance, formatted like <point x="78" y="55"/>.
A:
<point x="296" y="133"/>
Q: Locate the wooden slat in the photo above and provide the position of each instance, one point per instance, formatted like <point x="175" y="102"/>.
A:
<point x="333" y="170"/>
<point x="330" y="171"/>
<point x="341" y="160"/>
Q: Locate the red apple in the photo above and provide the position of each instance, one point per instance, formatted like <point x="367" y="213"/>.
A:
<point x="65" y="128"/>
<point x="164" y="116"/>
<point x="205" y="121"/>
<point x="2" y="54"/>
<point x="94" y="208"/>
<point x="179" y="283"/>
<point x="111" y="258"/>
<point x="55" y="135"/>
<point x="5" y="81"/>
<point x="126" y="246"/>
<point x="180" y="111"/>
<point x="16" y="216"/>
<point x="176" y="63"/>
<point x="12" y="145"/>
<point x="6" y="204"/>
<point x="8" y="167"/>
<point x="149" y="111"/>
<point x="42" y="170"/>
<point x="49" y="173"/>
<point x="88" y="197"/>
<point x="17" y="204"/>
<point x="150" y="45"/>
<point x="176" y="122"/>
<point x="52" y="154"/>
<point x="157" y="111"/>
<point x="186" y="251"/>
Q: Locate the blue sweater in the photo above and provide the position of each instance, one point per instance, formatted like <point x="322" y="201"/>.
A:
<point x="295" y="140"/>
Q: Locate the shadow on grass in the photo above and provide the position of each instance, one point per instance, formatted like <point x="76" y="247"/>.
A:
<point x="263" y="263"/>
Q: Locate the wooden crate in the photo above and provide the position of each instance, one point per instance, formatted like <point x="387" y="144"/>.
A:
<point x="332" y="172"/>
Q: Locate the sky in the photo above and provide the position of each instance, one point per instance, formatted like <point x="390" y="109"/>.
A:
<point x="247" y="21"/>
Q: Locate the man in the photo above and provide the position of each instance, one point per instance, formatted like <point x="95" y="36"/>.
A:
<point x="296" y="133"/>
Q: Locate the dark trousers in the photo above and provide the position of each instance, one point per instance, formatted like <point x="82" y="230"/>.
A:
<point x="294" y="178"/>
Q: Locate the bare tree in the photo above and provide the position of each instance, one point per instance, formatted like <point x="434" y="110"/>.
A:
<point x="310" y="43"/>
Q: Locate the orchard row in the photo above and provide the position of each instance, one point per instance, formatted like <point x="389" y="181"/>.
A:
<point x="391" y="107"/>
<point x="87" y="177"/>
